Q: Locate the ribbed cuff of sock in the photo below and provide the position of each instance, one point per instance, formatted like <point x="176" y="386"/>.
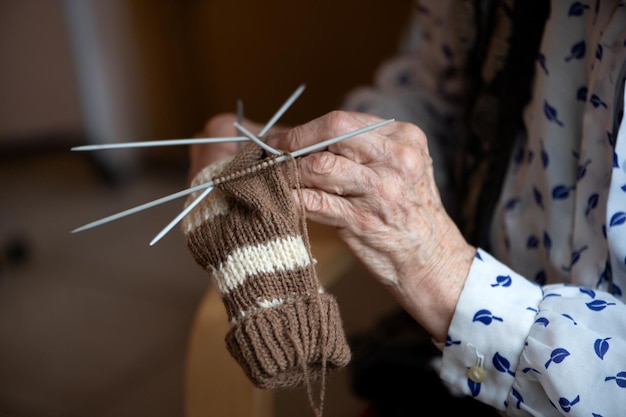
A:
<point x="287" y="345"/>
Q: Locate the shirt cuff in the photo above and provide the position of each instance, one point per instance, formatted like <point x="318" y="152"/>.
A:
<point x="493" y="318"/>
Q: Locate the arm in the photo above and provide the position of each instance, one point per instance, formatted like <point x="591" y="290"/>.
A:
<point x="515" y="329"/>
<point x="539" y="348"/>
<point x="378" y="189"/>
<point x="558" y="348"/>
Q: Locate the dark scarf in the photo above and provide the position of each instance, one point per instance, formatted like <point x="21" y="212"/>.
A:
<point x="503" y="61"/>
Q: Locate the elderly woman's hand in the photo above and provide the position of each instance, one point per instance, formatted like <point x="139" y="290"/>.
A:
<point x="378" y="189"/>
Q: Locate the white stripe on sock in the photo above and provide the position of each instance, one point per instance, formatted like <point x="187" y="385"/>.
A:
<point x="277" y="255"/>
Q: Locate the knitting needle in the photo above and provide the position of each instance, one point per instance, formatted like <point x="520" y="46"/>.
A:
<point x="240" y="116"/>
<point x="168" y="142"/>
<point x="282" y="158"/>
<point x="239" y="113"/>
<point x="294" y="96"/>
<point x="256" y="140"/>
<point x="145" y="206"/>
<point x="209" y="184"/>
<point x="241" y="129"/>
<point x="161" y="200"/>
<point x="187" y="209"/>
<point x="206" y="192"/>
<point x="180" y="216"/>
<point x="328" y="142"/>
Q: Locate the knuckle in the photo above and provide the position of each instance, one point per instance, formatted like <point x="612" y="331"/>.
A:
<point x="405" y="156"/>
<point x="313" y="202"/>
<point x="340" y="122"/>
<point x="336" y="117"/>
<point x="322" y="163"/>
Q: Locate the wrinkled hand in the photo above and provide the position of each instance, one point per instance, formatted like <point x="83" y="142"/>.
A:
<point x="378" y="189"/>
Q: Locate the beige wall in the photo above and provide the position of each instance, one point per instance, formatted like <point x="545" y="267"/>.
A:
<point x="197" y="58"/>
<point x="38" y="92"/>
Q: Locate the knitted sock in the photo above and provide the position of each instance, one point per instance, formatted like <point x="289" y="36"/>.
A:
<point x="285" y="330"/>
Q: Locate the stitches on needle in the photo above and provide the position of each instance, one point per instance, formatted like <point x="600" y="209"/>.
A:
<point x="266" y="163"/>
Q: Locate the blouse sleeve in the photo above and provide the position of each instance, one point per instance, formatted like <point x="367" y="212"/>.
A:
<point x="544" y="351"/>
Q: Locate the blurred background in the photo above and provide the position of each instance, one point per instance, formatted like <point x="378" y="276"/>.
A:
<point x="99" y="323"/>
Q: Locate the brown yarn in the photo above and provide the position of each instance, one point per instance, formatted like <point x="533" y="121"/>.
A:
<point x="319" y="408"/>
<point x="285" y="330"/>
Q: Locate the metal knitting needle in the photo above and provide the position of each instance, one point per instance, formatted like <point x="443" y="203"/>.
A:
<point x="282" y="110"/>
<point x="180" y="216"/>
<point x="241" y="129"/>
<point x="239" y="113"/>
<point x="198" y="199"/>
<point x="294" y="96"/>
<point x="150" y="143"/>
<point x="145" y="206"/>
<point x="164" y="199"/>
<point x="240" y="118"/>
<point x="209" y="184"/>
<point x="328" y="142"/>
<point x="206" y="192"/>
<point x="125" y="213"/>
<point x="282" y="158"/>
<point x="191" y="141"/>
<point x="256" y="140"/>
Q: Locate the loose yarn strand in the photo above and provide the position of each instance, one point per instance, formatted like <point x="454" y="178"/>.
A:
<point x="318" y="409"/>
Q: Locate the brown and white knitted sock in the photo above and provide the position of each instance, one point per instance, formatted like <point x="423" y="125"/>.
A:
<point x="285" y="330"/>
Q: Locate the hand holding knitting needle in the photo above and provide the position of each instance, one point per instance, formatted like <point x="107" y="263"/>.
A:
<point x="379" y="190"/>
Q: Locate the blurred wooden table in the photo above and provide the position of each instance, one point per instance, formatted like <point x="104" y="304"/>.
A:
<point x="215" y="385"/>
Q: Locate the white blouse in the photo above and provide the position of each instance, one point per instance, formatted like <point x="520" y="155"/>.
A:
<point x="540" y="328"/>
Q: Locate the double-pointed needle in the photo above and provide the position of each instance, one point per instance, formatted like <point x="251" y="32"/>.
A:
<point x="249" y="135"/>
<point x="169" y="142"/>
<point x="153" y="143"/>
<point x="191" y="141"/>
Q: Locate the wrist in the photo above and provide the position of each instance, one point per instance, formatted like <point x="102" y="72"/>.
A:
<point x="432" y="295"/>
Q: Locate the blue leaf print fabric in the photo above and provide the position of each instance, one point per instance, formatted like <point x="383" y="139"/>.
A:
<point x="557" y="356"/>
<point x="584" y="320"/>
<point x="546" y="303"/>
<point x="601" y="346"/>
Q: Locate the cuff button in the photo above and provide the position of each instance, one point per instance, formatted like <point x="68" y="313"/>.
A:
<point x="476" y="374"/>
